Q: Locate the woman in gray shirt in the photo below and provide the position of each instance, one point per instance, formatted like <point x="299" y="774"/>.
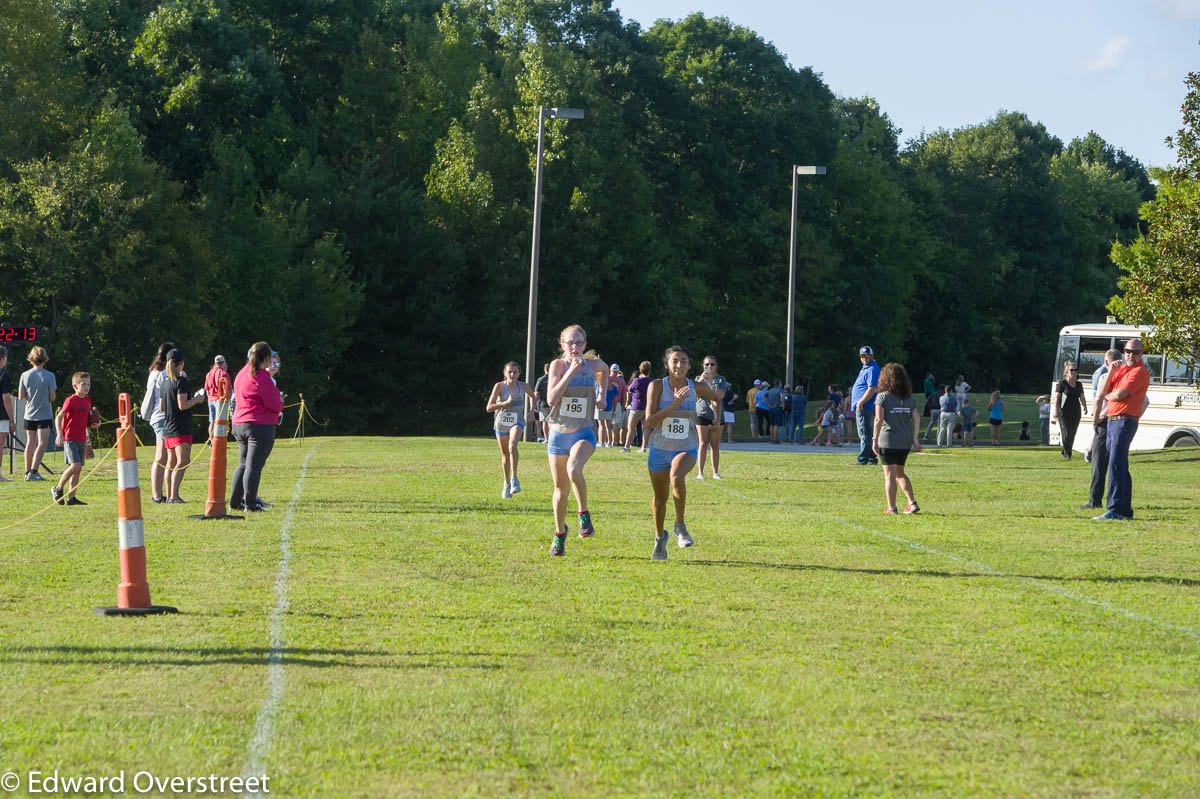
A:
<point x="897" y="421"/>
<point x="37" y="391"/>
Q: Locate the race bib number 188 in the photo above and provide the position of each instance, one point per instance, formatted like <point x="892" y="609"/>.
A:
<point x="574" y="407"/>
<point x="675" y="427"/>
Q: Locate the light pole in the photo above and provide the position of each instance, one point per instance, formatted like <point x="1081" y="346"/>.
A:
<point x="531" y="332"/>
<point x="797" y="171"/>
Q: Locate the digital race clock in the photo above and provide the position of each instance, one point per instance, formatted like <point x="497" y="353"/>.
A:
<point x="23" y="333"/>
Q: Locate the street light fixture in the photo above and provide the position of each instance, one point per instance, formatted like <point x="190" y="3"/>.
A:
<point x="531" y="332"/>
<point x="797" y="171"/>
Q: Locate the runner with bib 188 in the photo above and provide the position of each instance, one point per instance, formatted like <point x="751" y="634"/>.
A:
<point x="575" y="383"/>
<point x="671" y="420"/>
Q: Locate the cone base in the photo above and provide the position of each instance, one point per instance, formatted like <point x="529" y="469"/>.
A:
<point x="203" y="518"/>
<point x="153" y="610"/>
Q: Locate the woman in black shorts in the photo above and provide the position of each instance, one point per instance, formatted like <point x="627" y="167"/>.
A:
<point x="897" y="425"/>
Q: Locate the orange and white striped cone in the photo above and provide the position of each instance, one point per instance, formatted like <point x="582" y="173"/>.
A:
<point x="218" y="467"/>
<point x="133" y="592"/>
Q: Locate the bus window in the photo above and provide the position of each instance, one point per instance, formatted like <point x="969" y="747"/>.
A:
<point x="1177" y="374"/>
<point x="1091" y="355"/>
<point x="1068" y="350"/>
<point x="1154" y="365"/>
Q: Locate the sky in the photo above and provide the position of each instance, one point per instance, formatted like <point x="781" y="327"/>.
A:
<point x="1113" y="67"/>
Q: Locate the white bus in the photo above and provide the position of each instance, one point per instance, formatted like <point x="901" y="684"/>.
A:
<point x="1173" y="416"/>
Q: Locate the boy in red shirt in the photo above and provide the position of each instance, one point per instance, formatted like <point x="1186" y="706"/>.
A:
<point x="71" y="426"/>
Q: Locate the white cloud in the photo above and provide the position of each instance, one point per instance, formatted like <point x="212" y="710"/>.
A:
<point x="1183" y="9"/>
<point x="1109" y="55"/>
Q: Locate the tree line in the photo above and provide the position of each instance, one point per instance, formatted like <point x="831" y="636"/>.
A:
<point x="353" y="183"/>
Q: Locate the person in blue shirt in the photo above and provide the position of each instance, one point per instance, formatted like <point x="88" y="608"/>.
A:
<point x="862" y="396"/>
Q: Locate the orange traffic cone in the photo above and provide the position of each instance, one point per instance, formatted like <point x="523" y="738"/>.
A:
<point x="133" y="592"/>
<point x="214" y="508"/>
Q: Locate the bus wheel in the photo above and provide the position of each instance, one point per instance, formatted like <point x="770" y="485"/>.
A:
<point x="1184" y="440"/>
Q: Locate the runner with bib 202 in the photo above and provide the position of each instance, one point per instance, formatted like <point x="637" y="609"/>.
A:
<point x="671" y="422"/>
<point x="509" y="401"/>
<point x="576" y="384"/>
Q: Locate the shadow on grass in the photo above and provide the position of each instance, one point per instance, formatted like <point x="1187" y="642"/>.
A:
<point x="67" y="655"/>
<point x="418" y="506"/>
<point x="1186" y="582"/>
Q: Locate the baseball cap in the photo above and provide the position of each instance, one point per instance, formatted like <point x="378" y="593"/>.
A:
<point x="758" y="382"/>
<point x="865" y="351"/>
<point x="175" y="355"/>
<point x="616" y="367"/>
<point x="219" y="359"/>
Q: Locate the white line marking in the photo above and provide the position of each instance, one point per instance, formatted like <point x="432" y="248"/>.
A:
<point x="983" y="567"/>
<point x="260" y="740"/>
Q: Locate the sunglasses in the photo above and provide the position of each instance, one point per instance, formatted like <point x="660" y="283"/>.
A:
<point x="1133" y="352"/>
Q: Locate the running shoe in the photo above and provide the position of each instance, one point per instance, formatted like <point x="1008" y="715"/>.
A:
<point x="681" y="534"/>
<point x="1110" y="516"/>
<point x="28" y="477"/>
<point x="57" y="494"/>
<point x="699" y="475"/>
<point x="506" y="491"/>
<point x="176" y="501"/>
<point x="37" y="477"/>
<point x="586" y="530"/>
<point x="624" y="449"/>
<point x="73" y="501"/>
<point x="559" y="547"/>
<point x="717" y="476"/>
<point x="890" y="511"/>
<point x="161" y="500"/>
<point x="515" y="486"/>
<point x="660" y="547"/>
<point x="912" y="508"/>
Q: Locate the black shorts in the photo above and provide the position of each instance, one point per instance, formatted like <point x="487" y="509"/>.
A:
<point x="43" y="424"/>
<point x="705" y="421"/>
<point x="995" y="422"/>
<point x="893" y="457"/>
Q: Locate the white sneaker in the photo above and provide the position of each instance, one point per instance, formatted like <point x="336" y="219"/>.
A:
<point x="660" y="547"/>
<point x="700" y="475"/>
<point x="506" y="492"/>
<point x="717" y="476"/>
<point x="681" y="533"/>
<point x="514" y="487"/>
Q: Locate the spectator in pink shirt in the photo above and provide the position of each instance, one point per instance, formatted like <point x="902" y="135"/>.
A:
<point x="258" y="403"/>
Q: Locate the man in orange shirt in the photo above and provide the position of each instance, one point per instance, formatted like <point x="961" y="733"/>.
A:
<point x="1125" y="402"/>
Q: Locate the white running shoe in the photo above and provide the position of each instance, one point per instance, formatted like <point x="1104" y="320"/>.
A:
<point x="515" y="486"/>
<point x="506" y="492"/>
<point x="717" y="476"/>
<point x="681" y="533"/>
<point x="660" y="547"/>
<point x="699" y="475"/>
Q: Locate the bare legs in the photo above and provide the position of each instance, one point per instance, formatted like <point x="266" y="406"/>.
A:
<point x="710" y="436"/>
<point x="178" y="459"/>
<point x="673" y="481"/>
<point x="158" y="469"/>
<point x="568" y="470"/>
<point x="893" y="476"/>
<point x="36" y="442"/>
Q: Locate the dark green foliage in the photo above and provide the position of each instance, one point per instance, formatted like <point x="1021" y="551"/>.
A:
<point x="353" y="182"/>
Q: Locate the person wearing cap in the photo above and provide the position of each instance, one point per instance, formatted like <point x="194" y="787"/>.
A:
<point x="212" y="386"/>
<point x="762" y="409"/>
<point x="616" y="404"/>
<point x="866" y="386"/>
<point x="1125" y="402"/>
<point x="177" y="402"/>
<point x="752" y="403"/>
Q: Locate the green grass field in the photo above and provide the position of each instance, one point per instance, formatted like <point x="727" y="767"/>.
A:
<point x="998" y="644"/>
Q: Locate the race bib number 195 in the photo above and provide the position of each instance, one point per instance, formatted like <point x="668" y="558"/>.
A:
<point x="575" y="407"/>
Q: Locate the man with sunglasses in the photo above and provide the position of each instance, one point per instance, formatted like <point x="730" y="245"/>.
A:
<point x="1125" y="401"/>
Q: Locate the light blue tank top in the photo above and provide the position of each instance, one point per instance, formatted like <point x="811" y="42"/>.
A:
<point x="577" y="406"/>
<point x="677" y="432"/>
<point x="508" y="418"/>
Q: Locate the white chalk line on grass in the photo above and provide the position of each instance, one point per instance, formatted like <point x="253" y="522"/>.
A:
<point x="264" y="723"/>
<point x="982" y="567"/>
